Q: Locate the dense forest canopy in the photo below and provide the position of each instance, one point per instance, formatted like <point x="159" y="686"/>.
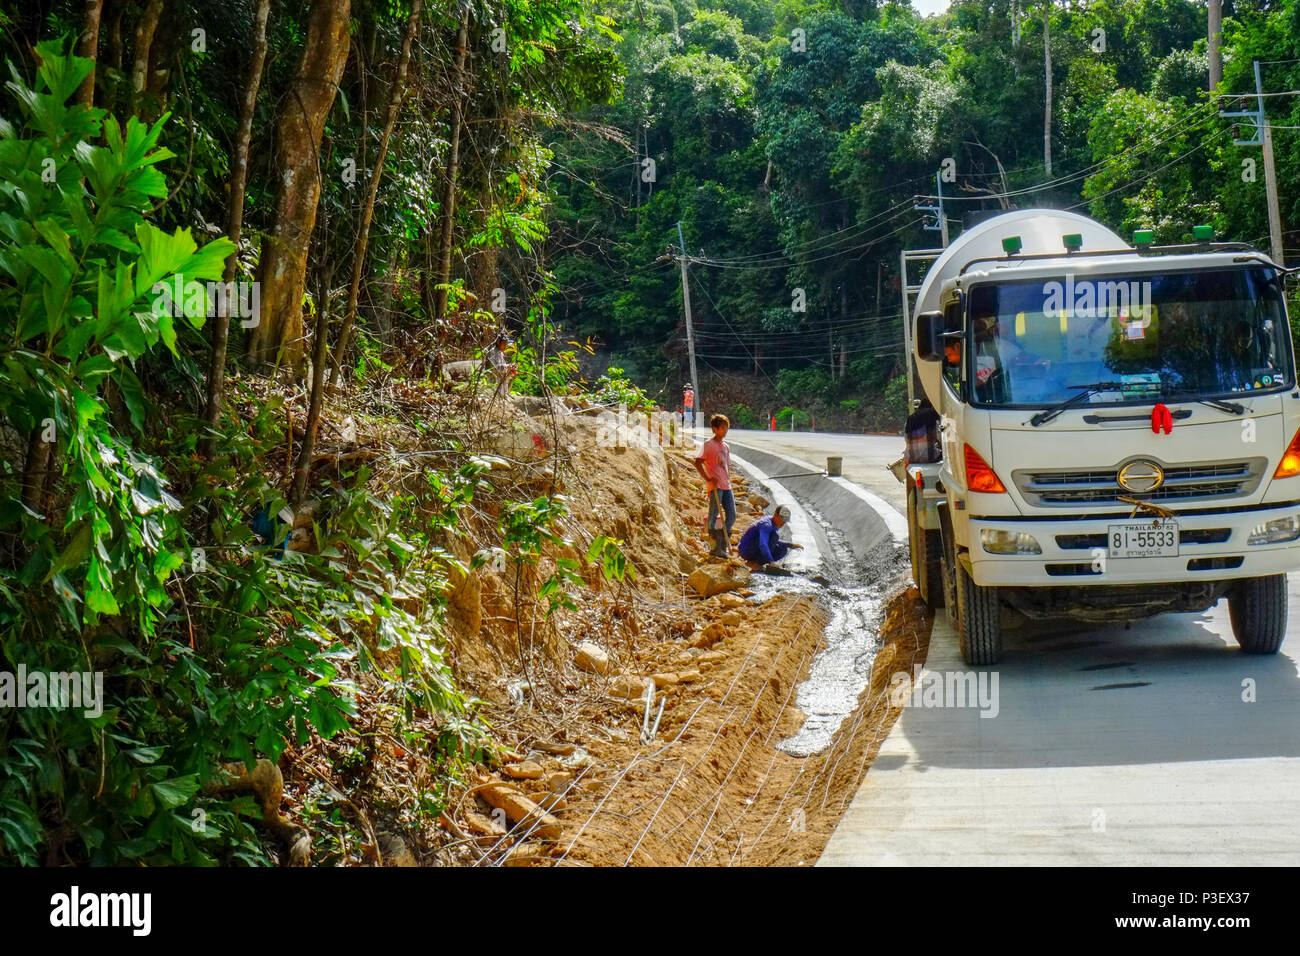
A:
<point x="789" y="140"/>
<point x="389" y="185"/>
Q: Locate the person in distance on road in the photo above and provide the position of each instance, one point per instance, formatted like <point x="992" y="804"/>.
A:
<point x="761" y="544"/>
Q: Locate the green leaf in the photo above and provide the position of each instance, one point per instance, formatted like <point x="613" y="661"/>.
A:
<point x="132" y="396"/>
<point x="75" y="554"/>
<point x="176" y="791"/>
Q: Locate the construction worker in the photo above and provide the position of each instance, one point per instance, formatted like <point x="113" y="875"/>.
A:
<point x="761" y="544"/>
<point x="714" y="465"/>
<point x="688" y="404"/>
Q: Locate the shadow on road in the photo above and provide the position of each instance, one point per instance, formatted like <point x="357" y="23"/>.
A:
<point x="1169" y="689"/>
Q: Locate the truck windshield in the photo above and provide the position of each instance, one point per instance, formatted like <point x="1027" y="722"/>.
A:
<point x="1221" y="332"/>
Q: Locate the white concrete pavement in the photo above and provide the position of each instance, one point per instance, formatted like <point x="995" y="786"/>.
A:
<point x="1159" y="743"/>
<point x="865" y="456"/>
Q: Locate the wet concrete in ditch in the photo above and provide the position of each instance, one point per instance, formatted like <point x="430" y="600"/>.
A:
<point x="855" y="590"/>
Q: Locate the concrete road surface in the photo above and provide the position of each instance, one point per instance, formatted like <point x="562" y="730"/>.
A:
<point x="1155" y="743"/>
<point x="865" y="456"/>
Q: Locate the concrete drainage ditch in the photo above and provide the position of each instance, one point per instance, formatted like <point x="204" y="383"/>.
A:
<point x="853" y="562"/>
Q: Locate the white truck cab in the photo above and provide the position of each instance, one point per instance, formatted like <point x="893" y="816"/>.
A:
<point x="1118" y="430"/>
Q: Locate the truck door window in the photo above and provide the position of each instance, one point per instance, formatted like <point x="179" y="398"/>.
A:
<point x="952" y="362"/>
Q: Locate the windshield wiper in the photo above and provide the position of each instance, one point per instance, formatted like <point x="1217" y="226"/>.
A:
<point x="1086" y="391"/>
<point x="1221" y="404"/>
<point x="1166" y="393"/>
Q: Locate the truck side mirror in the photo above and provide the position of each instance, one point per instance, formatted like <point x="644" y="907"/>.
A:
<point x="929" y="336"/>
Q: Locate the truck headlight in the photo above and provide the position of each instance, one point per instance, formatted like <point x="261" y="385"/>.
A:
<point x="1010" y="542"/>
<point x="1276" y="531"/>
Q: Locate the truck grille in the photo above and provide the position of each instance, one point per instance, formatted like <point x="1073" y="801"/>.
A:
<point x="1182" y="482"/>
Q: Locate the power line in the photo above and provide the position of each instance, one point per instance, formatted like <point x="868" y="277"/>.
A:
<point x="1186" y="125"/>
<point x="841" y="328"/>
<point x="1158" y="169"/>
<point x="836" y="253"/>
<point x="760" y="258"/>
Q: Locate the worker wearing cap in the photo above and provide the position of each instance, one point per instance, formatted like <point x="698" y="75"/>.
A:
<point x="761" y="544"/>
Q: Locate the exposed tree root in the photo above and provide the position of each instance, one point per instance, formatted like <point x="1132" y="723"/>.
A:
<point x="266" y="783"/>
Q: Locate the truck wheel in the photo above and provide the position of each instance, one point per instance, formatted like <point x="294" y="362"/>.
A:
<point x="926" y="549"/>
<point x="973" y="611"/>
<point x="1257" y="607"/>
<point x="979" y="620"/>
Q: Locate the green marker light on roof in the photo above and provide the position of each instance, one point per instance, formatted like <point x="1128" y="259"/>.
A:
<point x="1203" y="233"/>
<point x="1073" y="242"/>
<point x="1011" y="245"/>
<point x="1143" y="237"/>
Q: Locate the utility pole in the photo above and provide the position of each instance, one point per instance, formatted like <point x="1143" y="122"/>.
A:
<point x="1264" y="137"/>
<point x="943" y="216"/>
<point x="1047" y="99"/>
<point x="690" y="331"/>
<point x="940" y="223"/>
<point x="1215" y="30"/>
<point x="1270" y="179"/>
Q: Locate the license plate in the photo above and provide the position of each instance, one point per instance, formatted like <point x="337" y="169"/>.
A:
<point x="1142" y="539"/>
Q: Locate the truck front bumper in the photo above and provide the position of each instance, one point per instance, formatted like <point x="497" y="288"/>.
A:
<point x="1213" y="547"/>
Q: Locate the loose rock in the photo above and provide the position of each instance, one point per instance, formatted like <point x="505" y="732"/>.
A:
<point x="522" y="811"/>
<point x="592" y="658"/>
<point x="627" y="686"/>
<point x="710" y="635"/>
<point x="525" y="770"/>
<point x="708" y="581"/>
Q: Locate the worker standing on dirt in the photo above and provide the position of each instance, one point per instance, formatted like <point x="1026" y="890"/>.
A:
<point x="761" y="544"/>
<point x="714" y="465"/>
<point x="688" y="404"/>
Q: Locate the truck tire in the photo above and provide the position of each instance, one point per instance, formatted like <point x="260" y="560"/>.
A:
<point x="1257" y="607"/>
<point x="973" y="611"/>
<point x="926" y="550"/>
<point x="979" y="620"/>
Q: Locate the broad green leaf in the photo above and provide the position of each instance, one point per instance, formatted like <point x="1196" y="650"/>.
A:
<point x="176" y="791"/>
<point x="76" y="552"/>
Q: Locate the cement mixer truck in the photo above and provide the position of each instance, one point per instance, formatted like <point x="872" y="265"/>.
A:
<point x="1118" y="426"/>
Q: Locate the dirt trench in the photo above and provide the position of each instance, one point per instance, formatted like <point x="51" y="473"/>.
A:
<point x="580" y="783"/>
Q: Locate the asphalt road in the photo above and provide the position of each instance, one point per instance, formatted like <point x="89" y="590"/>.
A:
<point x="1158" y="743"/>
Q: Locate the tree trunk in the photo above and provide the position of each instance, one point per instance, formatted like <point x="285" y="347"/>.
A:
<point x="453" y="163"/>
<point x="145" y="28"/>
<point x="235" y="221"/>
<point x="428" y="298"/>
<point x="388" y="292"/>
<point x="1047" y="99"/>
<point x="283" y="267"/>
<point x="320" y="354"/>
<point x="40" y="458"/>
<point x="113" y="55"/>
<point x="376" y="174"/>
<point x="88" y="47"/>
